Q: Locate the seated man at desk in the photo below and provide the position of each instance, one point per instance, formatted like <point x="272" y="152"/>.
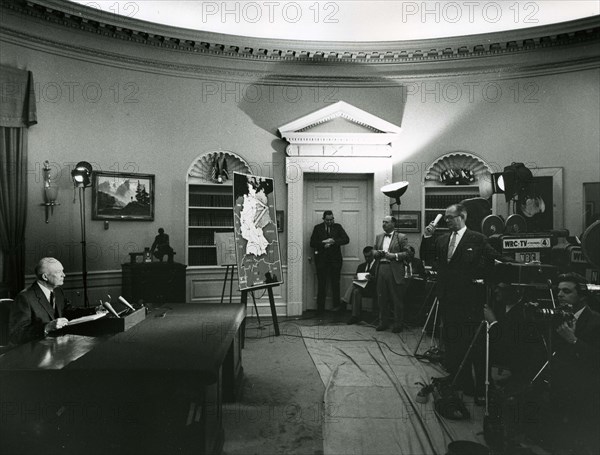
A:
<point x="42" y="308"/>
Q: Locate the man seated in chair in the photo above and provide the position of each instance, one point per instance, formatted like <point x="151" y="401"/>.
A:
<point x="355" y="292"/>
<point x="42" y="308"/>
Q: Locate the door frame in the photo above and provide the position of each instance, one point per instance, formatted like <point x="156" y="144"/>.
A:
<point x="345" y="277"/>
<point x="296" y="167"/>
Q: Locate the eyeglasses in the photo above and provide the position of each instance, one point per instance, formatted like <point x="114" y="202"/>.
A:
<point x="450" y="217"/>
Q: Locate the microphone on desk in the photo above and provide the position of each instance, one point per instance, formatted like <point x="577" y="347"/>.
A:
<point x="126" y="303"/>
<point x="109" y="307"/>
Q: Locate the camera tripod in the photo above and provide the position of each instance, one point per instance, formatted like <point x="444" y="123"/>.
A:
<point x="433" y="350"/>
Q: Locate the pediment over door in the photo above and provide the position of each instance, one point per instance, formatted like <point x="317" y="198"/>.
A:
<point x="339" y="130"/>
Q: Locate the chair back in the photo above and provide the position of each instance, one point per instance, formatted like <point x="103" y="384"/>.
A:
<point x="5" y="305"/>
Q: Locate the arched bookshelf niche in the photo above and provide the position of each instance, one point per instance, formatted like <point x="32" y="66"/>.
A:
<point x="210" y="204"/>
<point x="450" y="179"/>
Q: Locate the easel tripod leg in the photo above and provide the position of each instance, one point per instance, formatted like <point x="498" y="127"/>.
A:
<point x="255" y="308"/>
<point x="273" y="311"/>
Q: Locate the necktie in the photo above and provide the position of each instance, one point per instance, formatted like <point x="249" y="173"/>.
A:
<point x="452" y="245"/>
<point x="389" y="236"/>
<point x="53" y="304"/>
<point x="328" y="233"/>
<point x="368" y="268"/>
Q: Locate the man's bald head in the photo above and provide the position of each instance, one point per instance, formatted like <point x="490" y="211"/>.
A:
<point x="50" y="272"/>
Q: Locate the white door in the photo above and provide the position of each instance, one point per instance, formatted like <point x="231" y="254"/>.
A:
<point x="349" y="197"/>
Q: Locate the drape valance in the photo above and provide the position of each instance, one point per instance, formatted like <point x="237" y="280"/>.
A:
<point x="17" y="98"/>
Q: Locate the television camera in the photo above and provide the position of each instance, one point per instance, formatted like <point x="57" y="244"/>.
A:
<point x="555" y="315"/>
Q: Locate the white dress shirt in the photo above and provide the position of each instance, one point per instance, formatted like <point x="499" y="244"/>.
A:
<point x="386" y="242"/>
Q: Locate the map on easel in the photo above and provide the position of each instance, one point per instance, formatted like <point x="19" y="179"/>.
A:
<point x="225" y="243"/>
<point x="258" y="257"/>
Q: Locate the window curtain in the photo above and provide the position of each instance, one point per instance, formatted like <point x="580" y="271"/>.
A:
<point x="17" y="113"/>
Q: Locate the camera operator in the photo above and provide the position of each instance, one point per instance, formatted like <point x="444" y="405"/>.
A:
<point x="575" y="395"/>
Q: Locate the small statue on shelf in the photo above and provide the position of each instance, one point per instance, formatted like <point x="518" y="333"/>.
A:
<point x="457" y="177"/>
<point x="219" y="171"/>
<point x="161" y="246"/>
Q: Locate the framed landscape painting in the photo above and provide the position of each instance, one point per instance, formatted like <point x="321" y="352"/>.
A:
<point x="122" y="196"/>
<point x="407" y="220"/>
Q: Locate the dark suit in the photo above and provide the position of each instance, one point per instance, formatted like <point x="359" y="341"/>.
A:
<point x="32" y="311"/>
<point x="328" y="260"/>
<point x="575" y="394"/>
<point x="354" y="294"/>
<point x="391" y="280"/>
<point x="461" y="301"/>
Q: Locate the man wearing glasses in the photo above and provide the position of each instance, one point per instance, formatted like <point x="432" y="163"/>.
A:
<point x="460" y="257"/>
<point x="326" y="239"/>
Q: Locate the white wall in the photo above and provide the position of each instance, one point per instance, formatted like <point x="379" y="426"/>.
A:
<point x="158" y="122"/>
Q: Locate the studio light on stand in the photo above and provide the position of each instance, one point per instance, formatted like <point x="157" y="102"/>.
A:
<point x="82" y="178"/>
<point x="395" y="191"/>
<point x="513" y="181"/>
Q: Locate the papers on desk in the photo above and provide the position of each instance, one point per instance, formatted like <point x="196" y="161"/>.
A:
<point x="91" y="317"/>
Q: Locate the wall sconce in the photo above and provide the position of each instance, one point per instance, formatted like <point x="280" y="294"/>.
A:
<point x="50" y="192"/>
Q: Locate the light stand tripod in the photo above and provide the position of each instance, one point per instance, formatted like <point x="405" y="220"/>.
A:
<point x="547" y="343"/>
<point x="468" y="353"/>
<point x="433" y="347"/>
<point x="86" y="300"/>
<point x="82" y="174"/>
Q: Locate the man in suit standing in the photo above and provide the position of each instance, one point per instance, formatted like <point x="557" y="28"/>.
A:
<point x="326" y="240"/>
<point x="42" y="308"/>
<point x="391" y="252"/>
<point x="461" y="257"/>
<point x="575" y="397"/>
<point x="355" y="293"/>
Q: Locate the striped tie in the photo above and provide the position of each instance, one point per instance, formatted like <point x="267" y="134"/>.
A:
<point x="452" y="246"/>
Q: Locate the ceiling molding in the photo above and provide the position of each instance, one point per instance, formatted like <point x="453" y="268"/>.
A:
<point x="92" y="20"/>
<point x="553" y="49"/>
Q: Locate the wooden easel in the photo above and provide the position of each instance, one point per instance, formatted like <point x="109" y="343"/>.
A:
<point x="225" y="281"/>
<point x="271" y="303"/>
<point x="244" y="295"/>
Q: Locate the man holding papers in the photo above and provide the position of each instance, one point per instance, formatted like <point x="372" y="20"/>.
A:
<point x="42" y="308"/>
<point x="363" y="285"/>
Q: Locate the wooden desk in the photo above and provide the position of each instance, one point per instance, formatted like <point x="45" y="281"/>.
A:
<point x="155" y="389"/>
<point x="157" y="282"/>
